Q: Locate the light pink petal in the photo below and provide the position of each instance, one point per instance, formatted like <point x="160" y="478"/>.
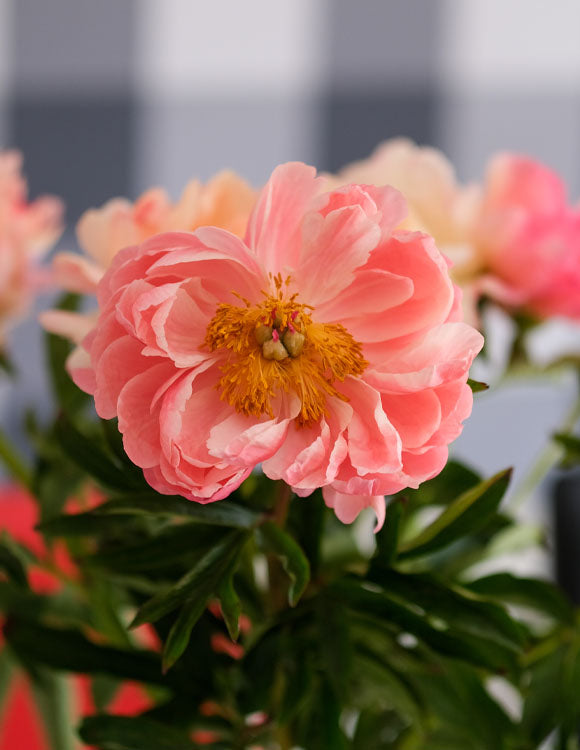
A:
<point x="69" y="325"/>
<point x="445" y="354"/>
<point x="347" y="507"/>
<point x="275" y="227"/>
<point x="79" y="367"/>
<point x="76" y="274"/>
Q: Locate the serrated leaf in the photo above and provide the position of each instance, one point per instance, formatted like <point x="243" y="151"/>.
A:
<point x="468" y="513"/>
<point x="132" y="733"/>
<point x="529" y="592"/>
<point x="230" y="605"/>
<point x="198" y="584"/>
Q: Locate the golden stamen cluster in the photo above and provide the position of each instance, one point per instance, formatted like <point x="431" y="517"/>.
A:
<point x="274" y="347"/>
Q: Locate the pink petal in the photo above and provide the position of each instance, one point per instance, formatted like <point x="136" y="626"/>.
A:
<point x="69" y="325"/>
<point x="275" y="227"/>
<point x="76" y="274"/>
<point x="347" y="507"/>
<point x="415" y="416"/>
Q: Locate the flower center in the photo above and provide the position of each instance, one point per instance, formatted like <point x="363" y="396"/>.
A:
<point x="275" y="347"/>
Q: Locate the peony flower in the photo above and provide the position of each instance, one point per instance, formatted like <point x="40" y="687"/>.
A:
<point x="225" y="201"/>
<point x="325" y="346"/>
<point x="530" y="238"/>
<point x="27" y="230"/>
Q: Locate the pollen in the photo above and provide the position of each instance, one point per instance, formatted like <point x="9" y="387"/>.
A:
<point x="275" y="347"/>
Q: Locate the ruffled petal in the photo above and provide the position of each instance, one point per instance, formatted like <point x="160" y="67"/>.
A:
<point x="347" y="507"/>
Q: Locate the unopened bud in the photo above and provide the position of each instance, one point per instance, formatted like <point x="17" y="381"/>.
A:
<point x="274" y="350"/>
<point x="293" y="342"/>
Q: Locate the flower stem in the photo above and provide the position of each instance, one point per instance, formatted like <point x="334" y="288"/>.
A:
<point x="13" y="462"/>
<point x="546" y="461"/>
<point x="282" y="503"/>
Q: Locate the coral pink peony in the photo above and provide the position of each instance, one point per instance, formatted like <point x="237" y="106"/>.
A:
<point x="225" y="201"/>
<point x="27" y="230"/>
<point x="530" y="238"/>
<point x="325" y="346"/>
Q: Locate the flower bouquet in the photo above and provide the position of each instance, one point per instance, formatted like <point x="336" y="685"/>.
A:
<point x="242" y="529"/>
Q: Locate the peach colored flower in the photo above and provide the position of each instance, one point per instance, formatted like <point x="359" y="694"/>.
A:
<point x="325" y="346"/>
<point x="530" y="238"/>
<point x="438" y="204"/>
<point x="225" y="201"/>
<point x="27" y="230"/>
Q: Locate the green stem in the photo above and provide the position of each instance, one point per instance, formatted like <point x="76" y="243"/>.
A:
<point x="548" y="458"/>
<point x="282" y="503"/>
<point x="13" y="462"/>
<point x="54" y="697"/>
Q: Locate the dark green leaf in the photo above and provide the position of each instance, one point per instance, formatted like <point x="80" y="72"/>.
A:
<point x="82" y="524"/>
<point x="388" y="537"/>
<point x="197" y="584"/>
<point x="87" y="454"/>
<point x="71" y="651"/>
<point x="129" y="733"/>
<point x="529" y="592"/>
<point x="476" y="386"/>
<point x="171" y="545"/>
<point x="14" y="600"/>
<point x="12" y="565"/>
<point x="52" y="694"/>
<point x="459" y="608"/>
<point x="439" y="636"/>
<point x="230" y="605"/>
<point x="13" y="462"/>
<point x="455" y="479"/>
<point x="467" y="514"/>
<point x="282" y="545"/>
<point x="224" y="513"/>
<point x="196" y="588"/>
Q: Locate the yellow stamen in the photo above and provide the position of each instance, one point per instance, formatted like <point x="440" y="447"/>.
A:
<point x="257" y="339"/>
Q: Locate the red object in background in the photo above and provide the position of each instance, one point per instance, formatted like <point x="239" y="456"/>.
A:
<point x="20" y="723"/>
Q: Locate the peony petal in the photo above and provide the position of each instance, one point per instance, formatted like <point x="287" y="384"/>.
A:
<point x="275" y="226"/>
<point x="76" y="274"/>
<point x="347" y="507"/>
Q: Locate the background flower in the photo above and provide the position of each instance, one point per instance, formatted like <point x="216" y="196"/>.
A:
<point x="27" y="230"/>
<point x="193" y="349"/>
<point x="224" y="201"/>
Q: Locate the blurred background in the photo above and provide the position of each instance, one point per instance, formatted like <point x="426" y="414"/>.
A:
<point x="109" y="98"/>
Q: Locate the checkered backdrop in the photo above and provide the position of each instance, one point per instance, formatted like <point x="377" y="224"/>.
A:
<point x="108" y="98"/>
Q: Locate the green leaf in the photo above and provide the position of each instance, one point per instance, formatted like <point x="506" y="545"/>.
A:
<point x="216" y="514"/>
<point x="476" y="386"/>
<point x="12" y="565"/>
<point x="388" y="537"/>
<point x="571" y="445"/>
<point x="455" y="479"/>
<point x="129" y="733"/>
<point x="87" y="454"/>
<point x="529" y="592"/>
<point x="20" y="602"/>
<point x="171" y="545"/>
<point x="82" y="524"/>
<point x="458" y="607"/>
<point x="54" y="699"/>
<point x="277" y="542"/>
<point x="197" y="584"/>
<point x="203" y="582"/>
<point x="13" y="462"/>
<point x="440" y="636"/>
<point x="230" y="605"/>
<point x="468" y="513"/>
<point x="69" y="650"/>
